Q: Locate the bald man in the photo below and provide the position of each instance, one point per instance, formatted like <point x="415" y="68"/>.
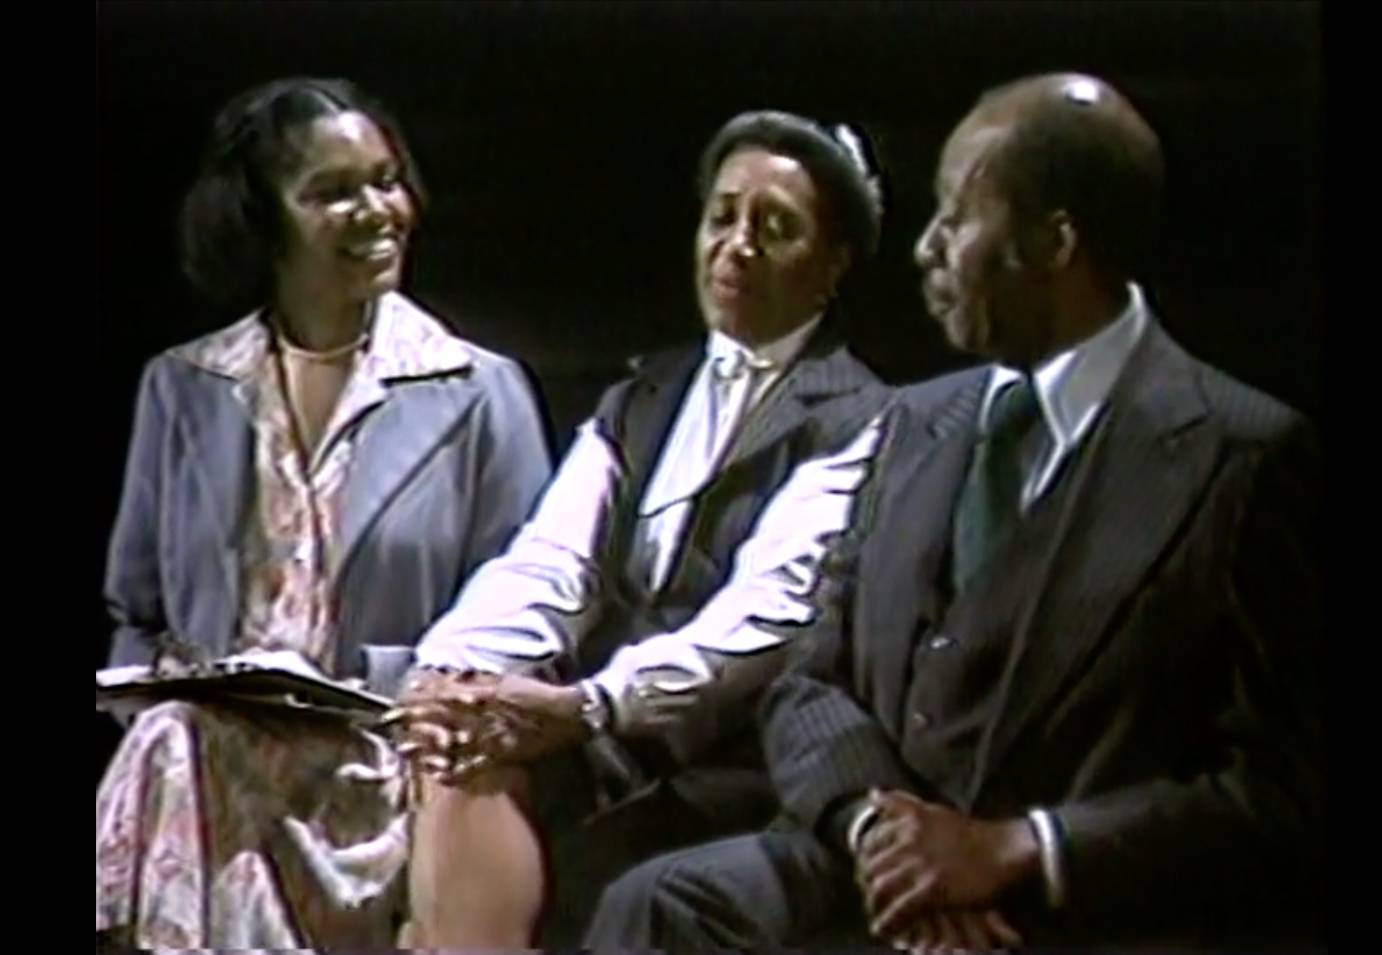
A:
<point x="1068" y="694"/>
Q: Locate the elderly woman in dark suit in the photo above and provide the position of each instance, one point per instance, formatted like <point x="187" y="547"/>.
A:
<point x="316" y="479"/>
<point x="604" y="670"/>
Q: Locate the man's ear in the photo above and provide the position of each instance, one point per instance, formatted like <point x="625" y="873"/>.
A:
<point x="1065" y="238"/>
<point x="1050" y="245"/>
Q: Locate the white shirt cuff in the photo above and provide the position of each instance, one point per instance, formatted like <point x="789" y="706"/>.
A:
<point x="1051" y="846"/>
<point x="863" y="819"/>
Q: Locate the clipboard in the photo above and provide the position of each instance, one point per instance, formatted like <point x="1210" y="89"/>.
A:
<point x="281" y="679"/>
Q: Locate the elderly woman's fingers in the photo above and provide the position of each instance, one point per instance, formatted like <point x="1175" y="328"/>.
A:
<point x="464" y="770"/>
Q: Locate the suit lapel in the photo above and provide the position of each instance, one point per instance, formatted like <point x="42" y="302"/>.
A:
<point x="824" y="370"/>
<point x="394" y="442"/>
<point x="1130" y="490"/>
<point x="908" y="536"/>
<point x="651" y="411"/>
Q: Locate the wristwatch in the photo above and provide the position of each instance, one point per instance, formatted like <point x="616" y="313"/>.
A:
<point x="595" y="708"/>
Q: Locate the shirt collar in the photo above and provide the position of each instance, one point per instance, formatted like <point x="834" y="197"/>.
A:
<point x="774" y="355"/>
<point x="1072" y="386"/>
<point x="404" y="342"/>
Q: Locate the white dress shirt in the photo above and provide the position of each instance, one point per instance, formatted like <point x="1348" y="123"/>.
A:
<point x="730" y="383"/>
<point x="1072" y="389"/>
<point x="539" y="599"/>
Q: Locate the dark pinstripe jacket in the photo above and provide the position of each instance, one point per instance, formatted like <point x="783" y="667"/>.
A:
<point x="1139" y="657"/>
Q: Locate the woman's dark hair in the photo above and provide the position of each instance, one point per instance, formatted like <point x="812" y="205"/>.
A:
<point x="230" y="229"/>
<point x="835" y="159"/>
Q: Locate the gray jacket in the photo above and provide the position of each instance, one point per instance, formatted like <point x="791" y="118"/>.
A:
<point x="446" y="467"/>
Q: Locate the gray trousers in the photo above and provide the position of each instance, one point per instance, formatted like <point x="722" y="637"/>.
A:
<point x="783" y="889"/>
<point x="776" y="889"/>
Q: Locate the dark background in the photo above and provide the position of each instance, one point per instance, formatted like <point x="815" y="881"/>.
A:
<point x="559" y="144"/>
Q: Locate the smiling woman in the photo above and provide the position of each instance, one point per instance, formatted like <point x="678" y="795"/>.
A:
<point x="347" y="217"/>
<point x="317" y="479"/>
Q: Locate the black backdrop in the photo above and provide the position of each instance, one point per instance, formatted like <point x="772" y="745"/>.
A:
<point x="559" y="143"/>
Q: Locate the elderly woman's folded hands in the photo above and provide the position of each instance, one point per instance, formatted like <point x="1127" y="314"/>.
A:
<point x="454" y="725"/>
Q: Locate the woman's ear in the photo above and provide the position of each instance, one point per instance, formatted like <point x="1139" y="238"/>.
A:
<point x="840" y="260"/>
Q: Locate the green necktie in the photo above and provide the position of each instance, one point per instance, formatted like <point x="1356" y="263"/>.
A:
<point x="990" y="501"/>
